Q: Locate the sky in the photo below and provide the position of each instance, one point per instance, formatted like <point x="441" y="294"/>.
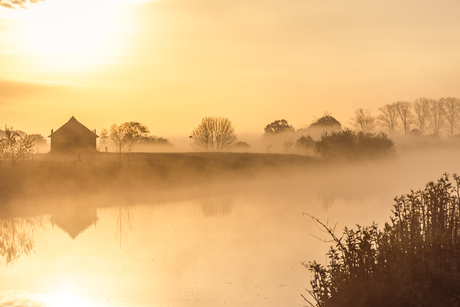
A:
<point x="169" y="63"/>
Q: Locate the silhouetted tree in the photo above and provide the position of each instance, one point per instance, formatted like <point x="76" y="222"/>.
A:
<point x="214" y="134"/>
<point x="404" y="112"/>
<point x="155" y="140"/>
<point x="421" y="108"/>
<point x="415" y="132"/>
<point x="278" y="127"/>
<point x="436" y="118"/>
<point x="104" y="139"/>
<point x="388" y="116"/>
<point x="336" y="145"/>
<point x="125" y="136"/>
<point x="451" y="114"/>
<point x="15" y="146"/>
<point x="306" y="144"/>
<point x="242" y="145"/>
<point x="363" y="120"/>
<point x="287" y="145"/>
<point x="39" y="140"/>
<point x="350" y="145"/>
<point x="326" y="121"/>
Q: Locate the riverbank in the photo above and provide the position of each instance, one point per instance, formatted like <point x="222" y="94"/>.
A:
<point x="145" y="175"/>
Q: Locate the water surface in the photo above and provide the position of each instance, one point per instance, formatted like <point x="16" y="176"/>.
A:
<point x="242" y="246"/>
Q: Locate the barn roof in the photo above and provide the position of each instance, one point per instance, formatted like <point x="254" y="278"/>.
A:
<point x="74" y="223"/>
<point x="75" y="128"/>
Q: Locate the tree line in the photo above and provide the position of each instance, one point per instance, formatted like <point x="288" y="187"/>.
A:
<point x="424" y="116"/>
<point x="326" y="137"/>
<point x="218" y="134"/>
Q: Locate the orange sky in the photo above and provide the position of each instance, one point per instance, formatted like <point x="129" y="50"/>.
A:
<point x="168" y="63"/>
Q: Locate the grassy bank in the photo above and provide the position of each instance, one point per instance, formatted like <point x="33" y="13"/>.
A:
<point x="49" y="176"/>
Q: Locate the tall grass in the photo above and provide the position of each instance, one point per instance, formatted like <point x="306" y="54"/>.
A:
<point x="413" y="261"/>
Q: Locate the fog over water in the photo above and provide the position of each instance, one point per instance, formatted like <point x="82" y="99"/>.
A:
<point x="232" y="241"/>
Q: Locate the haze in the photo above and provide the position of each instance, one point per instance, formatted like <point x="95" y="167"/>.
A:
<point x="102" y="225"/>
<point x="168" y="63"/>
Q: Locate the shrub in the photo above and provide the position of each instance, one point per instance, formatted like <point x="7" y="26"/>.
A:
<point x="15" y="146"/>
<point x="350" y="145"/>
<point x="413" y="261"/>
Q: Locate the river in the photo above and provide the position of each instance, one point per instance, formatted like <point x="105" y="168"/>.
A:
<point x="241" y="246"/>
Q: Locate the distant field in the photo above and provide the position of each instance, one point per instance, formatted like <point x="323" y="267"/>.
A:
<point x="171" y="164"/>
<point x="50" y="176"/>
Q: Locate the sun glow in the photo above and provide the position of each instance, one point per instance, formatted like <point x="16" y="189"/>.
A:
<point x="76" y="32"/>
<point x="67" y="300"/>
<point x="68" y="27"/>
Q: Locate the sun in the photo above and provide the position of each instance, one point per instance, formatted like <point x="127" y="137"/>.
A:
<point x="69" y="26"/>
<point x="76" y="32"/>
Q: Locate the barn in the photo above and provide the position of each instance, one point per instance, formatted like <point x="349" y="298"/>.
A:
<point x="74" y="220"/>
<point x="73" y="138"/>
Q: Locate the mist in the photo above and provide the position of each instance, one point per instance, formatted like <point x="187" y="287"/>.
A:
<point x="213" y="226"/>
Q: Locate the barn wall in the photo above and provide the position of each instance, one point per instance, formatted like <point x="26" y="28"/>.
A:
<point x="69" y="144"/>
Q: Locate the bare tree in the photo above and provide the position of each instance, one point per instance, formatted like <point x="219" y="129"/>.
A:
<point x="451" y="113"/>
<point x="436" y="118"/>
<point x="287" y="145"/>
<point x="404" y="111"/>
<point x="388" y="117"/>
<point x="305" y="143"/>
<point x="422" y="111"/>
<point x="104" y="139"/>
<point x="125" y="136"/>
<point x="363" y="120"/>
<point x="214" y="134"/>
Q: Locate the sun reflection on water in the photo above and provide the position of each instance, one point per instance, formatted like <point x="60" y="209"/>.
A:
<point x="68" y="300"/>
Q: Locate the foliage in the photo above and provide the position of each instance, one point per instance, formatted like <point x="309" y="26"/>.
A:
<point x="413" y="261"/>
<point x="214" y="134"/>
<point x="15" y="146"/>
<point x="305" y="144"/>
<point x="155" y="140"/>
<point x="125" y="136"/>
<point x="326" y="121"/>
<point x="242" y="145"/>
<point x="39" y="140"/>
<point x="278" y="127"/>
<point x="350" y="145"/>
